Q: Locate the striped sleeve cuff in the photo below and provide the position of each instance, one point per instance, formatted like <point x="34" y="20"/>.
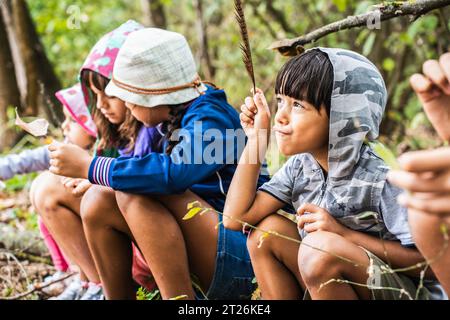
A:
<point x="99" y="171"/>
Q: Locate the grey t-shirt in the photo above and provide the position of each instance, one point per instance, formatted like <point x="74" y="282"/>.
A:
<point x="295" y="184"/>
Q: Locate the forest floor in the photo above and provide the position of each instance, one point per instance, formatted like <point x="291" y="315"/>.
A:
<point x="24" y="259"/>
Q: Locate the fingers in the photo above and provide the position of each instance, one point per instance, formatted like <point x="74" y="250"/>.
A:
<point x="438" y="204"/>
<point x="250" y="104"/>
<point x="81" y="188"/>
<point x="245" y="120"/>
<point x="71" y="183"/>
<point x="54" y="170"/>
<point x="312" y="227"/>
<point x="261" y="103"/>
<point x="309" y="207"/>
<point x="420" y="183"/>
<point x="54" y="145"/>
<point x="444" y="61"/>
<point x="306" y="218"/>
<point x="426" y="160"/>
<point x="433" y="70"/>
<point x="247" y="111"/>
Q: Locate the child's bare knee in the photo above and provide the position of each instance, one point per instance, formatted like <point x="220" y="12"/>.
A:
<point x="125" y="200"/>
<point x="253" y="243"/>
<point x="44" y="191"/>
<point x="315" y="256"/>
<point x="257" y="241"/>
<point x="94" y="204"/>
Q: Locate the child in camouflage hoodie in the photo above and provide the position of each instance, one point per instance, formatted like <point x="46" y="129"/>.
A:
<point x="353" y="233"/>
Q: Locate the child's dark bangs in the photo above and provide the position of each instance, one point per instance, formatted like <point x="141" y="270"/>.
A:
<point x="97" y="80"/>
<point x="307" y="77"/>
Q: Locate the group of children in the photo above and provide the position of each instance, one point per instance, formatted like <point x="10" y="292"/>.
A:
<point x="140" y="131"/>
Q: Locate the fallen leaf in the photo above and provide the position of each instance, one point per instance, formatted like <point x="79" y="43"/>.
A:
<point x="192" y="213"/>
<point x="37" y="128"/>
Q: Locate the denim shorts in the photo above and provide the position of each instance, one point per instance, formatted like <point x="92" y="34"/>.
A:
<point x="233" y="275"/>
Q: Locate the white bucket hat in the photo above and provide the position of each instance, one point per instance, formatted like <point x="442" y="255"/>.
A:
<point x="155" y="67"/>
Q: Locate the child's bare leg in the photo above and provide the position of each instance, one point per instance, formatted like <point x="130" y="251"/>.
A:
<point x="426" y="231"/>
<point x="167" y="241"/>
<point x="110" y="240"/>
<point x="83" y="276"/>
<point x="318" y="267"/>
<point x="59" y="210"/>
<point x="275" y="261"/>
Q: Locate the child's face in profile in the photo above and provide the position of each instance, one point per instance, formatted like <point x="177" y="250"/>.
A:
<point x="300" y="127"/>
<point x="74" y="133"/>
<point x="150" y="117"/>
<point x="111" y="107"/>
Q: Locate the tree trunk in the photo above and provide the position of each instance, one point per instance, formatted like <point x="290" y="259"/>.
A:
<point x="42" y="82"/>
<point x="9" y="91"/>
<point x="154" y="14"/>
<point x="209" y="70"/>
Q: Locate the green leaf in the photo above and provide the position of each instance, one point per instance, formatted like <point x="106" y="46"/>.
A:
<point x="384" y="153"/>
<point x="368" y="45"/>
<point x="193" y="204"/>
<point x="366" y="215"/>
<point x="192" y="213"/>
<point x="340" y="4"/>
<point x="388" y="64"/>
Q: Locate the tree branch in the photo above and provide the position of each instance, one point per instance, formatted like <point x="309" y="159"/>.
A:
<point x="386" y="11"/>
<point x="38" y="287"/>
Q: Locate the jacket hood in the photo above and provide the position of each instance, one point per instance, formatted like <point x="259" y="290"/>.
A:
<point x="72" y="99"/>
<point x="358" y="101"/>
<point x="103" y="55"/>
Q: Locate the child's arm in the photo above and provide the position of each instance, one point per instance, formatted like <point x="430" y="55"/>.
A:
<point x="189" y="163"/>
<point x="392" y="252"/>
<point x="428" y="171"/>
<point x="27" y="161"/>
<point x="243" y="202"/>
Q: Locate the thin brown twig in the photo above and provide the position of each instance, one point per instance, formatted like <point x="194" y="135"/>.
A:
<point x="38" y="287"/>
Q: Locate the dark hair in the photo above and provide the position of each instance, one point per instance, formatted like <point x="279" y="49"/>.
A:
<point x="308" y="77"/>
<point x="175" y="117"/>
<point x="110" y="135"/>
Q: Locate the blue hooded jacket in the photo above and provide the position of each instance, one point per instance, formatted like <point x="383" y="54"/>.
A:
<point x="207" y="127"/>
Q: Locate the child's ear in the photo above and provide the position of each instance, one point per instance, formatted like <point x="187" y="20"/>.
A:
<point x="324" y="111"/>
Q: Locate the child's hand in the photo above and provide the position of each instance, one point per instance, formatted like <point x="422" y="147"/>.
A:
<point x="81" y="188"/>
<point x="255" y="115"/>
<point x="433" y="89"/>
<point x="69" y="160"/>
<point x="76" y="186"/>
<point x="318" y="219"/>
<point x="426" y="175"/>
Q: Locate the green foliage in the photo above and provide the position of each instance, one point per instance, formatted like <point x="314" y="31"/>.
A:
<point x="143" y="294"/>
<point x="19" y="182"/>
<point x="66" y="45"/>
<point x="384" y="153"/>
<point x="398" y="49"/>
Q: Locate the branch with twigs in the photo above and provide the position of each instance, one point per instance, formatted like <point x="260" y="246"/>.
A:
<point x="384" y="11"/>
<point x="38" y="287"/>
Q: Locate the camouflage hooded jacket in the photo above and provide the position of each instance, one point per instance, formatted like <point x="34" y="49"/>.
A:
<point x="357" y="176"/>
